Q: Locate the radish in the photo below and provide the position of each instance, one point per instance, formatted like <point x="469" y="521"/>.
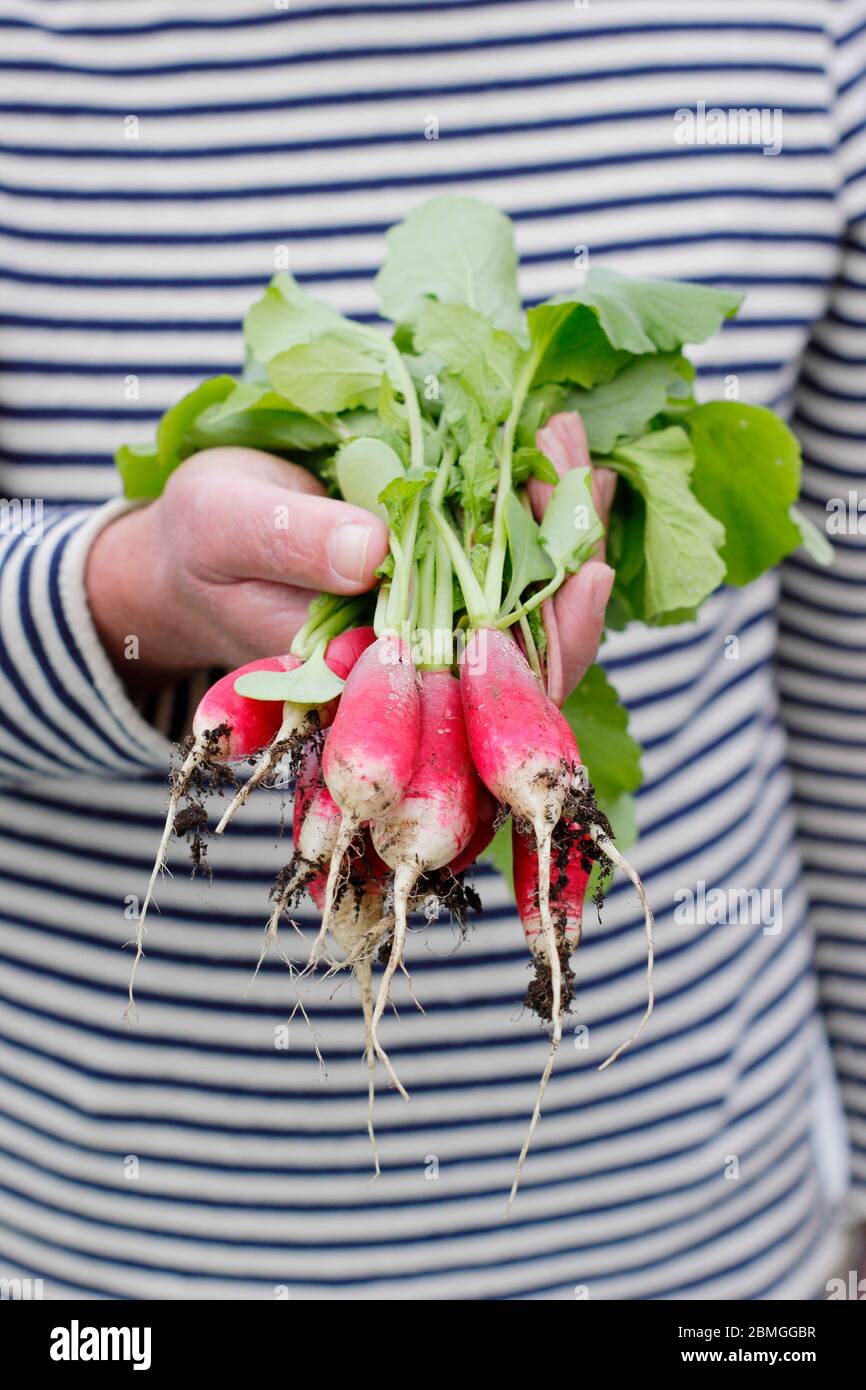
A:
<point x="527" y="756"/>
<point x="436" y="817"/>
<point x="572" y="862"/>
<point x="371" y="750"/>
<point x="485" y="829"/>
<point x="315" y="824"/>
<point x="226" y="727"/>
<point x="298" y="721"/>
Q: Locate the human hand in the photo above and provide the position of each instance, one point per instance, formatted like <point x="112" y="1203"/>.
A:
<point x="221" y="568"/>
<point x="574" y="618"/>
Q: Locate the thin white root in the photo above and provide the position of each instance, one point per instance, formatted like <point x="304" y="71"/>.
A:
<point x="293" y="724"/>
<point x="299" y="1006"/>
<point x="609" y="848"/>
<point x="404" y="881"/>
<point x="364" y="976"/>
<point x="272" y="931"/>
<point x="345" y="837"/>
<point x="542" y="840"/>
<point x="181" y="784"/>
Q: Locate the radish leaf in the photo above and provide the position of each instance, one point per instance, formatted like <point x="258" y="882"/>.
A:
<point x="623" y="407"/>
<point x="286" y="316"/>
<point x="365" y="467"/>
<point x="314" y="683"/>
<point x="333" y="373"/>
<point x="532" y="463"/>
<point x="570" y="528"/>
<point x="485" y="358"/>
<point x="571" y="346"/>
<point x="456" y="250"/>
<point x="641" y="316"/>
<point x="680" y="539"/>
<point x="530" y="562"/>
<point x="747" y="473"/>
<point x="138" y="466"/>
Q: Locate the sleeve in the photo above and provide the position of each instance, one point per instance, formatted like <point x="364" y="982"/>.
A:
<point x="822" y="655"/>
<point x="63" y="709"/>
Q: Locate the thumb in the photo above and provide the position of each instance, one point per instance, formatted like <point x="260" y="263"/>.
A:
<point x="288" y="537"/>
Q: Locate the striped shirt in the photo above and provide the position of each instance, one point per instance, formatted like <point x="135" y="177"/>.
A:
<point x="158" y="160"/>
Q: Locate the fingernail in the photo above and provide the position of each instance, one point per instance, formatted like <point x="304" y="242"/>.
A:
<point x="347" y="550"/>
<point x="602" y="584"/>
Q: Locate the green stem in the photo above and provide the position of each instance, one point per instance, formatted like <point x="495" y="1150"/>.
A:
<point x="328" y="621"/>
<point x="476" y="604"/>
<point x="413" y="410"/>
<point x="426" y="583"/>
<point x="443" y="608"/>
<point x="499" y="543"/>
<point x="380" y="617"/>
<point x="534" y="600"/>
<point x="398" y="604"/>
<point x="531" y="649"/>
<point x="401" y="583"/>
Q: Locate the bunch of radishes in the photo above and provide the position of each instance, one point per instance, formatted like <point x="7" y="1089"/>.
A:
<point x="406" y="773"/>
<point x="417" y="720"/>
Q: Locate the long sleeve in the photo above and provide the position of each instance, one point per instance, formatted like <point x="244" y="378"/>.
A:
<point x="63" y="709"/>
<point x="822" y="661"/>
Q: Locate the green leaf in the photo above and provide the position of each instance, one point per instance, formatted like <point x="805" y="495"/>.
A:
<point x="246" y="396"/>
<point x="485" y="358"/>
<point x="540" y="404"/>
<point x="172" y="435"/>
<point x="477" y="476"/>
<point x="532" y="463"/>
<point x="331" y="374"/>
<point x="640" y="316"/>
<point x="285" y="316"/>
<point x="390" y="411"/>
<point x="397" y="495"/>
<point x="530" y="562"/>
<point x="365" y="467"/>
<point x="145" y="469"/>
<point x="623" y="407"/>
<point x="260" y="418"/>
<point x="610" y="755"/>
<point x="458" y="250"/>
<point x="314" y="683"/>
<point x="747" y="473"/>
<point x="138" y="466"/>
<point x="570" y="528"/>
<point x="814" y="540"/>
<point x="681" y="540"/>
<point x="571" y="345"/>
